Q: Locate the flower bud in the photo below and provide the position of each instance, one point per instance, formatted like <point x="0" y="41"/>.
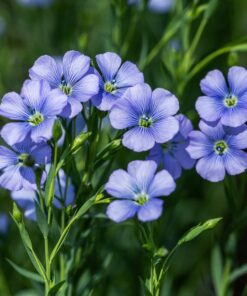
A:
<point x="57" y="131"/>
<point x="16" y="213"/>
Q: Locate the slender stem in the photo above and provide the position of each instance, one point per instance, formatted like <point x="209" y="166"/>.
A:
<point x="47" y="264"/>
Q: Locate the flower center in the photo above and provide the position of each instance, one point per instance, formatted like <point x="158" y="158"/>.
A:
<point x="26" y="160"/>
<point x="220" y="147"/>
<point x="110" y="86"/>
<point x="145" y="121"/>
<point x="36" y="119"/>
<point x="141" y="199"/>
<point x="230" y="101"/>
<point x="65" y="87"/>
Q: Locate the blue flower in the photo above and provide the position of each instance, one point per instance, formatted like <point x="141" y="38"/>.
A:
<point x="218" y="150"/>
<point x="138" y="190"/>
<point x="39" y="3"/>
<point x="34" y="112"/>
<point x="4" y="223"/>
<point x="18" y="164"/>
<point x="114" y="79"/>
<point x="172" y="155"/>
<point x="73" y="76"/>
<point x="158" y="6"/>
<point x="224" y="102"/>
<point x="147" y="115"/>
<point x="64" y="196"/>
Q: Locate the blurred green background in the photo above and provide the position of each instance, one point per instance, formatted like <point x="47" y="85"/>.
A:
<point x="96" y="26"/>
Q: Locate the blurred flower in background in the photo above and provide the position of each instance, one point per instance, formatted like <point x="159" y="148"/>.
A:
<point x="4" y="223"/>
<point x="2" y="26"/>
<point x="158" y="6"/>
<point x="35" y="2"/>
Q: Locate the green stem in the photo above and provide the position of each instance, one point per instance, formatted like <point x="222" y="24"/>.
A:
<point x="47" y="264"/>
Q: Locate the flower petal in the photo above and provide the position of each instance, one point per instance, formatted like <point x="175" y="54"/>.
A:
<point x="237" y="79"/>
<point x="109" y="64"/>
<point x="28" y="174"/>
<point x="138" y="139"/>
<point x="199" y="145"/>
<point x="35" y="93"/>
<point x="172" y="165"/>
<point x="162" y="185"/>
<point x="120" y="185"/>
<point x="164" y="104"/>
<point x="86" y="88"/>
<point x="42" y="153"/>
<point x="238" y="141"/>
<point x="211" y="168"/>
<point x="121" y="210"/>
<point x="128" y="75"/>
<point x="15" y="132"/>
<point x="13" y="107"/>
<point x="214" y="132"/>
<point x="72" y="108"/>
<point x="235" y="161"/>
<point x="185" y="125"/>
<point x="43" y="131"/>
<point x="75" y="66"/>
<point x="142" y="172"/>
<point x="54" y="103"/>
<point x="46" y="68"/>
<point x="234" y="117"/>
<point x="183" y="157"/>
<point x="164" y="129"/>
<point x="210" y="108"/>
<point x="151" y="210"/>
<point x="11" y="178"/>
<point x="123" y="115"/>
<point x="7" y="157"/>
<point x="214" y="85"/>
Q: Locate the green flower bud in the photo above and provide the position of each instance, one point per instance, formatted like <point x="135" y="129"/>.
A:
<point x="16" y="213"/>
<point x="57" y="131"/>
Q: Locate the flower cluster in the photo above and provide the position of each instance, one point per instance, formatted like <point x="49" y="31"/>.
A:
<point x="219" y="145"/>
<point x="60" y="89"/>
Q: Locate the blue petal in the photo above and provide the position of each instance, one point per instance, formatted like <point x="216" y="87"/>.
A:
<point x="46" y="68"/>
<point x="7" y="157"/>
<point x="43" y="131"/>
<point x="72" y="109"/>
<point x="109" y="64"/>
<point x="214" y="85"/>
<point x="143" y="173"/>
<point x="13" y="107"/>
<point x="128" y="75"/>
<point x="164" y="129"/>
<point x="210" y="108"/>
<point x="172" y="165"/>
<point x="237" y="78"/>
<point x="161" y="185"/>
<point x="235" y="161"/>
<point x="138" y="139"/>
<point x="120" y="185"/>
<point x="151" y="210"/>
<point x="15" y="132"/>
<point x="86" y="88"/>
<point x="11" y="178"/>
<point x="199" y="145"/>
<point x="235" y="117"/>
<point x="35" y="93"/>
<point x="211" y="168"/>
<point x="54" y="103"/>
<point x="121" y="210"/>
<point x="214" y="132"/>
<point x="75" y="66"/>
<point x="238" y="141"/>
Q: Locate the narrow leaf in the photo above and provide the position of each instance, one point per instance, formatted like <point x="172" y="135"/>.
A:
<point x="49" y="186"/>
<point x="26" y="273"/>
<point x="54" y="290"/>
<point x="238" y="273"/>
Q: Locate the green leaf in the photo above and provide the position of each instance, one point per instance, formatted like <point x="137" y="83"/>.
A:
<point x="197" y="230"/>
<point x="55" y="289"/>
<point x="49" y="186"/>
<point x="28" y="274"/>
<point x="217" y="269"/>
<point x="238" y="273"/>
<point x="41" y="220"/>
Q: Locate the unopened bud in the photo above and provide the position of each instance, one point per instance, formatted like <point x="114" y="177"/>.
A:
<point x="57" y="131"/>
<point x="17" y="215"/>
